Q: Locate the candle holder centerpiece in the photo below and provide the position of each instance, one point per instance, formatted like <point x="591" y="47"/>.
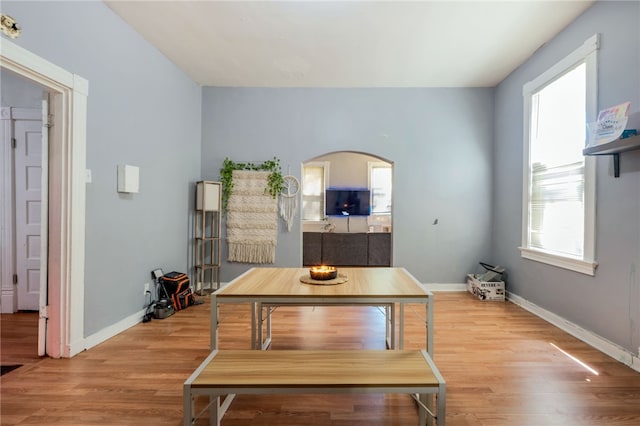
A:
<point x="323" y="275"/>
<point x="323" y="272"/>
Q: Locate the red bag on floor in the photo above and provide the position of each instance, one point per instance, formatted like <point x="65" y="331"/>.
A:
<point x="176" y="287"/>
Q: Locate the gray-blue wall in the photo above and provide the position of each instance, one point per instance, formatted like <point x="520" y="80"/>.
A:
<point x="18" y="92"/>
<point x="143" y="111"/>
<point x="440" y="141"/>
<point x="609" y="303"/>
<point x="457" y="155"/>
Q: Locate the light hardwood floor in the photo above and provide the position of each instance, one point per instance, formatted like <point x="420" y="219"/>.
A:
<point x="503" y="366"/>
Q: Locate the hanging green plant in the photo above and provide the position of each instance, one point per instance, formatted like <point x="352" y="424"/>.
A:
<point x="275" y="180"/>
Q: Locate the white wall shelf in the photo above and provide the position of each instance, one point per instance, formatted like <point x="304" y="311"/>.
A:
<point x="614" y="148"/>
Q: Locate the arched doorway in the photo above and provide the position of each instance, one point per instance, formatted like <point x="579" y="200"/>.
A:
<point x="350" y="236"/>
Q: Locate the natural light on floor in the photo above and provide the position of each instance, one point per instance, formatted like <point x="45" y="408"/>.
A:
<point x="573" y="358"/>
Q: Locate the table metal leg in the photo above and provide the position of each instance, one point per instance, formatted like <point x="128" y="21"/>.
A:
<point x="429" y="316"/>
<point x="387" y="326"/>
<point x="254" y="343"/>
<point x="214" y="322"/>
<point x="268" y="339"/>
<point x="401" y="330"/>
<point x="392" y="325"/>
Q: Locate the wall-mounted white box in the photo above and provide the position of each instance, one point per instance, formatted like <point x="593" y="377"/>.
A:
<point x="208" y="196"/>
<point x="128" y="179"/>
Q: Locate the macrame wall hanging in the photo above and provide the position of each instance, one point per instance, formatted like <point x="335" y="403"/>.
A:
<point x="289" y="200"/>
<point x="252" y="219"/>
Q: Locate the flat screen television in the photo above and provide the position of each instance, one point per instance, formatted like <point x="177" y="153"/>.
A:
<point x="347" y="202"/>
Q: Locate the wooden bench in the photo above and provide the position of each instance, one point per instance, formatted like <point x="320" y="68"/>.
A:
<point x="225" y="373"/>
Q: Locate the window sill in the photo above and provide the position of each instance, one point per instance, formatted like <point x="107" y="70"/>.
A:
<point x="577" y="265"/>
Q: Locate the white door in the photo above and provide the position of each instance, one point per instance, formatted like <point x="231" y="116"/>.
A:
<point x="28" y="185"/>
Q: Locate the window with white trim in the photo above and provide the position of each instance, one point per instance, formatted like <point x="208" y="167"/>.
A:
<point x="313" y="188"/>
<point x="559" y="190"/>
<point x="381" y="186"/>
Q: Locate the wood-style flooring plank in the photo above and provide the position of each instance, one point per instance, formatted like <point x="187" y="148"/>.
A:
<point x="503" y="366"/>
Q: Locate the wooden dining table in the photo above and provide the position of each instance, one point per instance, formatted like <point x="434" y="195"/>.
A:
<point x="268" y="287"/>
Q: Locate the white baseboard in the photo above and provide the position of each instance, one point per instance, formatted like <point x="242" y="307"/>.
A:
<point x="107" y="333"/>
<point x="7" y="304"/>
<point x="445" y="287"/>
<point x="603" y="345"/>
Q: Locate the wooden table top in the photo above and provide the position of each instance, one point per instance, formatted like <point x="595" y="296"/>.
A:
<point x="318" y="369"/>
<point x="361" y="283"/>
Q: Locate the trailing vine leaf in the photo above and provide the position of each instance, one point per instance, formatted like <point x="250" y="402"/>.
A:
<point x="275" y="180"/>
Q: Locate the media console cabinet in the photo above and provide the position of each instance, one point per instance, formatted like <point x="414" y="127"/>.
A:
<point x="346" y="249"/>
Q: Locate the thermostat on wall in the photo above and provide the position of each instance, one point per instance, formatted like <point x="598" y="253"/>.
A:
<point x="128" y="179"/>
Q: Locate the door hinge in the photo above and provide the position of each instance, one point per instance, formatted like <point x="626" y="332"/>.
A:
<point x="14" y="143"/>
<point x="15" y="279"/>
<point x="49" y="123"/>
<point x="44" y="312"/>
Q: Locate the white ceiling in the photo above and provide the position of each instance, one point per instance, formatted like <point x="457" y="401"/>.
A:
<point x="348" y="43"/>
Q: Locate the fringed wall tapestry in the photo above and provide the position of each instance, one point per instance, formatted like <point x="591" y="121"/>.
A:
<point x="252" y="219"/>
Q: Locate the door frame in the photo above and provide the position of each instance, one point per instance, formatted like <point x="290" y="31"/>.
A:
<point x="66" y="201"/>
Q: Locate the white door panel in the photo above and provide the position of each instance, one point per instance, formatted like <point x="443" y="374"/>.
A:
<point x="28" y="192"/>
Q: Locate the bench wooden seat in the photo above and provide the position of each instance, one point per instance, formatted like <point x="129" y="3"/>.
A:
<point x="231" y="372"/>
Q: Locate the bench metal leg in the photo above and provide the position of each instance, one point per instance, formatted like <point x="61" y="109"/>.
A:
<point x="187" y="406"/>
<point x="442" y="395"/>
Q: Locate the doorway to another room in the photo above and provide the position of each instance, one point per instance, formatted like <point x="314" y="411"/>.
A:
<point x="59" y="250"/>
<point x="24" y="142"/>
<point x="347" y="217"/>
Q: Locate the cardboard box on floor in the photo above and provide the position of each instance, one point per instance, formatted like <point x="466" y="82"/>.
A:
<point x="485" y="290"/>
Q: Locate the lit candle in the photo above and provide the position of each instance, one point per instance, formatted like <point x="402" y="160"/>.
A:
<point x="323" y="272"/>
